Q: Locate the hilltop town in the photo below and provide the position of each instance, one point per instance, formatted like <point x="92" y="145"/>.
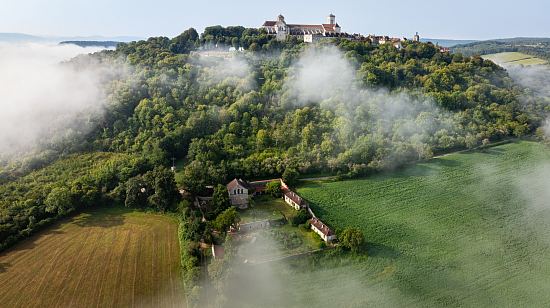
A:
<point x="330" y="29"/>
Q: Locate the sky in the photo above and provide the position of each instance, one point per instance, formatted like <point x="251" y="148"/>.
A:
<point x="466" y="19"/>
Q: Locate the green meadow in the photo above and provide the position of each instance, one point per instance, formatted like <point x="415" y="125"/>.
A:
<point x="514" y="58"/>
<point x="468" y="229"/>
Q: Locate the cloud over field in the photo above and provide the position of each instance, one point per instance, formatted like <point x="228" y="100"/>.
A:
<point x="535" y="188"/>
<point x="41" y="97"/>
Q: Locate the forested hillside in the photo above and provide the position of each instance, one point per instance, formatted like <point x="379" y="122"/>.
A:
<point x="278" y="107"/>
<point x="248" y="116"/>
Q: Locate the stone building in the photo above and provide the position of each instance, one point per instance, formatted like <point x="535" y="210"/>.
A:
<point x="282" y="30"/>
<point x="238" y="193"/>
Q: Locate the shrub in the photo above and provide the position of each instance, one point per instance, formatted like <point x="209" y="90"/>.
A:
<point x="351" y="238"/>
<point x="300" y="218"/>
<point x="274" y="189"/>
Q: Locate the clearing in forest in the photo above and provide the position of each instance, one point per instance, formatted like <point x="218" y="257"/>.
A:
<point x="509" y="58"/>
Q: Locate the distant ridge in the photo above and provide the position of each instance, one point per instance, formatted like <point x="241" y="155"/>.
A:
<point x="105" y="44"/>
<point x="19" y="37"/>
<point x="28" y="38"/>
<point x="447" y="42"/>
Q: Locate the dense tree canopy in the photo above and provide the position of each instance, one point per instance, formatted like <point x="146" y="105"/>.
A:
<point x="254" y="114"/>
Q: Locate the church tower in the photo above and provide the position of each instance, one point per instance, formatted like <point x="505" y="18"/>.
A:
<point x="331" y="19"/>
<point x="282" y="29"/>
<point x="416" y="37"/>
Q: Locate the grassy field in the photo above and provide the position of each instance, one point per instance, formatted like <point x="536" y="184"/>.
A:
<point x="514" y="58"/>
<point x="266" y="207"/>
<point x="464" y="230"/>
<point x="103" y="258"/>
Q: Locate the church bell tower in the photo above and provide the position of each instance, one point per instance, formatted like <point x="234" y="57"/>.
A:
<point x="331" y="19"/>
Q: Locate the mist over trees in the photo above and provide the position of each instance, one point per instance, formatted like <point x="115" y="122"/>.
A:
<point x="277" y="109"/>
<point x="259" y="114"/>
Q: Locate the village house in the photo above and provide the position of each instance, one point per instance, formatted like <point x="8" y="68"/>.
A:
<point x="322" y="230"/>
<point x="294" y="200"/>
<point x="241" y="191"/>
<point x="238" y="193"/>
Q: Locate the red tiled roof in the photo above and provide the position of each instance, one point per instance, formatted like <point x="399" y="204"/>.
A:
<point x="218" y="251"/>
<point x="237" y="182"/>
<point x="269" y="23"/>
<point x="293" y="196"/>
<point x="320" y="27"/>
<point x="321" y="226"/>
<point x="329" y="27"/>
<point x="259" y="186"/>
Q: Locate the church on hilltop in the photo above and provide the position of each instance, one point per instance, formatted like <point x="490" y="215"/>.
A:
<point x="330" y="29"/>
<point x="282" y="30"/>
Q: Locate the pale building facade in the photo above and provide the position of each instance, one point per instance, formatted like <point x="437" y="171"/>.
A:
<point x="282" y="30"/>
<point x="238" y="193"/>
<point x="322" y="230"/>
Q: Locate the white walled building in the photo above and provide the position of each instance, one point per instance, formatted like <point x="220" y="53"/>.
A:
<point x="322" y="230"/>
<point x="282" y="30"/>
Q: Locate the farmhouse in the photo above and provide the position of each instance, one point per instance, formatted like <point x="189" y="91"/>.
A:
<point x="322" y="230"/>
<point x="238" y="193"/>
<point x="241" y="191"/>
<point x="294" y="200"/>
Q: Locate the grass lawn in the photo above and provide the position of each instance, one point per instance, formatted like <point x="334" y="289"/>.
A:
<point x="514" y="58"/>
<point x="463" y="230"/>
<point x="266" y="207"/>
<point x="108" y="257"/>
<point x="276" y="242"/>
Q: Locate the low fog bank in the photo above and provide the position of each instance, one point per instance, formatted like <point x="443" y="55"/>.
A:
<point x="254" y="278"/>
<point x="536" y="78"/>
<point x="44" y="98"/>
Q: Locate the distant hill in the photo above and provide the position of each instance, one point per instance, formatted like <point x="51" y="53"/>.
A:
<point x="447" y="42"/>
<point x="537" y="47"/>
<point x="22" y="37"/>
<point x="105" y="44"/>
<point x="19" y="37"/>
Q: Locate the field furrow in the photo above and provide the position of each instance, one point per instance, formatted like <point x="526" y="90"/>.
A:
<point x="111" y="257"/>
